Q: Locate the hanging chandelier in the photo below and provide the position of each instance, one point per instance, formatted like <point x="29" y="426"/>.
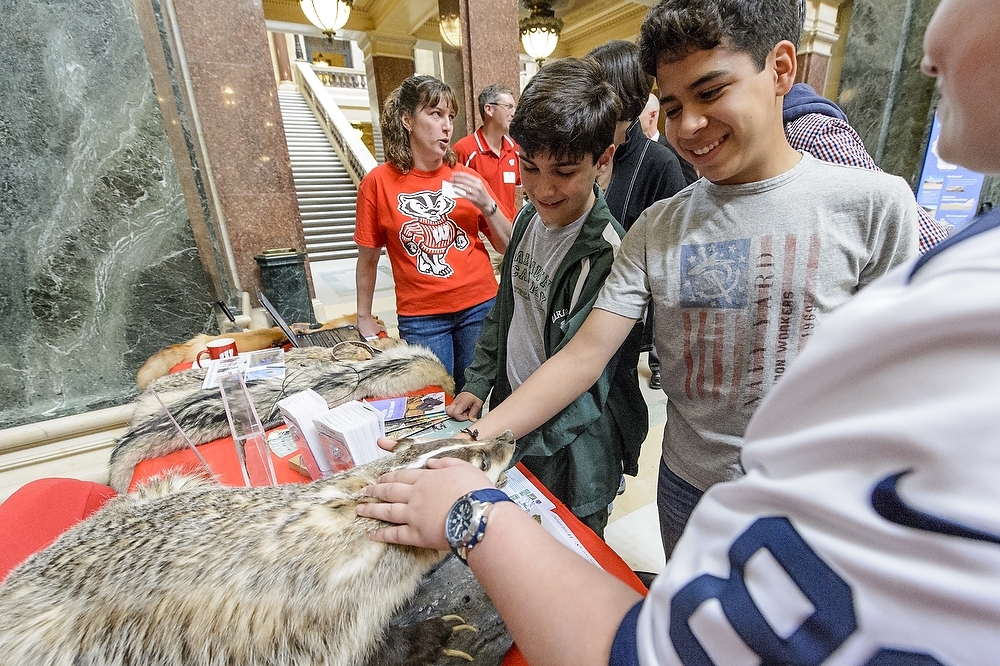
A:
<point x="450" y="23"/>
<point x="540" y="31"/>
<point x="451" y="30"/>
<point x="327" y="15"/>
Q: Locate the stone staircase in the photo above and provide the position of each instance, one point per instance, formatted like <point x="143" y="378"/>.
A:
<point x="327" y="195"/>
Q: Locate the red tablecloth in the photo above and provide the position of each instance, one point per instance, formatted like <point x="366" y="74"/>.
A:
<point x="221" y="456"/>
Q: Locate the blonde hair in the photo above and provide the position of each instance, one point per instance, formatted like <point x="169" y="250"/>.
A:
<point x="410" y="97"/>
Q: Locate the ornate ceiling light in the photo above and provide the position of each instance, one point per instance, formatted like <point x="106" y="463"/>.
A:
<point x="327" y="15"/>
<point x="451" y="31"/>
<point x="540" y="31"/>
<point x="450" y="24"/>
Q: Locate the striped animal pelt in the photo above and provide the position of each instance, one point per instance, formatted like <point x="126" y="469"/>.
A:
<point x="184" y="572"/>
<point x="202" y="416"/>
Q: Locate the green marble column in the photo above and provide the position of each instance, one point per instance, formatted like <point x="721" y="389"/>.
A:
<point x="882" y="89"/>
<point x="98" y="266"/>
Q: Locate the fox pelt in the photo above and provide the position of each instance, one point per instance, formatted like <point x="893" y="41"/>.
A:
<point x="184" y="571"/>
<point x="202" y="416"/>
<point x="160" y="363"/>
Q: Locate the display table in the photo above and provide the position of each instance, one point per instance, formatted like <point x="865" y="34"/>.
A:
<point x="221" y="457"/>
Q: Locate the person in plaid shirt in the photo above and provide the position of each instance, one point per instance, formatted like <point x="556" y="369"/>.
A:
<point x="818" y="126"/>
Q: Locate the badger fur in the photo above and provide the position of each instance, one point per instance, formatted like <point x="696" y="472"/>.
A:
<point x="184" y="572"/>
<point x="202" y="416"/>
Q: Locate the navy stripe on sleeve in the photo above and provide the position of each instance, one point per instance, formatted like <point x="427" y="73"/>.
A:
<point x="979" y="225"/>
<point x="624" y="651"/>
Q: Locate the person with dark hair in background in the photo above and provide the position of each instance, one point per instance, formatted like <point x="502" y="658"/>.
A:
<point x="866" y="531"/>
<point x="489" y="151"/>
<point x="643" y="172"/>
<point x="428" y="211"/>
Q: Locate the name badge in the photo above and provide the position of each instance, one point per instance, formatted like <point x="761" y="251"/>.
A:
<point x="509" y="177"/>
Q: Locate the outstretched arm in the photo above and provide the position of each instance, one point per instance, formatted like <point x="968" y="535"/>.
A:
<point x="559" y="608"/>
<point x="561" y="379"/>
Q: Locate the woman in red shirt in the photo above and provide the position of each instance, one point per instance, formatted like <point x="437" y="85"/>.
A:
<point x="428" y="212"/>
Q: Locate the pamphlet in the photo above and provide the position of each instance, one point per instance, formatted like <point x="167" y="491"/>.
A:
<point x="255" y="365"/>
<point x="298" y="411"/>
<point x="410" y="406"/>
<point x="541" y="508"/>
<point x="348" y="434"/>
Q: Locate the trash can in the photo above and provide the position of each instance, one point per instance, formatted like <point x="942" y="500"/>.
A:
<point x="283" y="276"/>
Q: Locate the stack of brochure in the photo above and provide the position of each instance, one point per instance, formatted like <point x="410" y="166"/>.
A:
<point x="348" y="434"/>
<point x="255" y="365"/>
<point x="298" y="410"/>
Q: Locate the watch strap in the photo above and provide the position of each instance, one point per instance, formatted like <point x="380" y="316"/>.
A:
<point x="489" y="497"/>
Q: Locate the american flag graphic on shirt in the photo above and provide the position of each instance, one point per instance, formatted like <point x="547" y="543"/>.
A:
<point x="746" y="310"/>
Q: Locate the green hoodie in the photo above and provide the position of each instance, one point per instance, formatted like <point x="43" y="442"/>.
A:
<point x="581" y="452"/>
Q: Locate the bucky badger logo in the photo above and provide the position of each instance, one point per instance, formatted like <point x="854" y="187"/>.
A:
<point x="430" y="233"/>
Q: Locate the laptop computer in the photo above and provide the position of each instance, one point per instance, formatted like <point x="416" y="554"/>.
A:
<point x="330" y="337"/>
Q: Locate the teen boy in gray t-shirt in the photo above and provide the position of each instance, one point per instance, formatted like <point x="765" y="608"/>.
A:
<point x="740" y="275"/>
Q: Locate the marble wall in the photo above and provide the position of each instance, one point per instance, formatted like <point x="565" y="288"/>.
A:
<point x="882" y="89"/>
<point x="886" y="96"/>
<point x="490" y="52"/>
<point x="98" y="267"/>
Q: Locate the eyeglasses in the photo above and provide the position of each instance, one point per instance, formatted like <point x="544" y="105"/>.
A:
<point x="509" y="107"/>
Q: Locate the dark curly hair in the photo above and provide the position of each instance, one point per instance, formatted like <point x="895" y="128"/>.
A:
<point x="410" y="97"/>
<point x="619" y="60"/>
<point x="674" y="29"/>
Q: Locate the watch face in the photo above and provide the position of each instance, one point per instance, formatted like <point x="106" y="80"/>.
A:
<point x="459" y="520"/>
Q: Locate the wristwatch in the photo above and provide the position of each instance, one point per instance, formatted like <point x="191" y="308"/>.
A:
<point x="466" y="522"/>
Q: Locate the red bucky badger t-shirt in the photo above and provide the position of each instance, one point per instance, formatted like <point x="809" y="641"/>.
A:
<point x="439" y="263"/>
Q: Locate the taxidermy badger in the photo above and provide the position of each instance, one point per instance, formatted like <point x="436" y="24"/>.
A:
<point x="185" y="572"/>
<point x="201" y="414"/>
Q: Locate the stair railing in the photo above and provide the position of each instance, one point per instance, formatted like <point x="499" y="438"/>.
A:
<point x="343" y="137"/>
<point x="341" y="77"/>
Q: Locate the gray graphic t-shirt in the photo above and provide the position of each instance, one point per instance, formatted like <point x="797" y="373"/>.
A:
<point x="535" y="261"/>
<point x="740" y="275"/>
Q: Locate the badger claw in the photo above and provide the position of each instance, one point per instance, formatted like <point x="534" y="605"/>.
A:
<point x="448" y="652"/>
<point x="461" y="626"/>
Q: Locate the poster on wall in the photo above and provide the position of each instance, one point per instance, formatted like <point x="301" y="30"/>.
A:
<point x="948" y="191"/>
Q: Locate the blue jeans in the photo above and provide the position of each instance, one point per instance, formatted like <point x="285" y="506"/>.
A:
<point x="452" y="337"/>
<point x="675" y="500"/>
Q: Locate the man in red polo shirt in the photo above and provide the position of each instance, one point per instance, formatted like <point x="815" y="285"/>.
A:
<point x="489" y="151"/>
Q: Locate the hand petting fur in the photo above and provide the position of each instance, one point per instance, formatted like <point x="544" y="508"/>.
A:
<point x="184" y="572"/>
<point x="201" y="414"/>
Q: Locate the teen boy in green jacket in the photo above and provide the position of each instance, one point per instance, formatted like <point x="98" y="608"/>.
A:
<point x="561" y="250"/>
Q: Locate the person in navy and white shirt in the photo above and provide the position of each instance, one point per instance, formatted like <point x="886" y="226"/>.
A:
<point x="867" y="528"/>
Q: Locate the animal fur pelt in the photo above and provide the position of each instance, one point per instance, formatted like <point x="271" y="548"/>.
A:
<point x="184" y="572"/>
<point x="201" y="414"/>
<point x="160" y="363"/>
